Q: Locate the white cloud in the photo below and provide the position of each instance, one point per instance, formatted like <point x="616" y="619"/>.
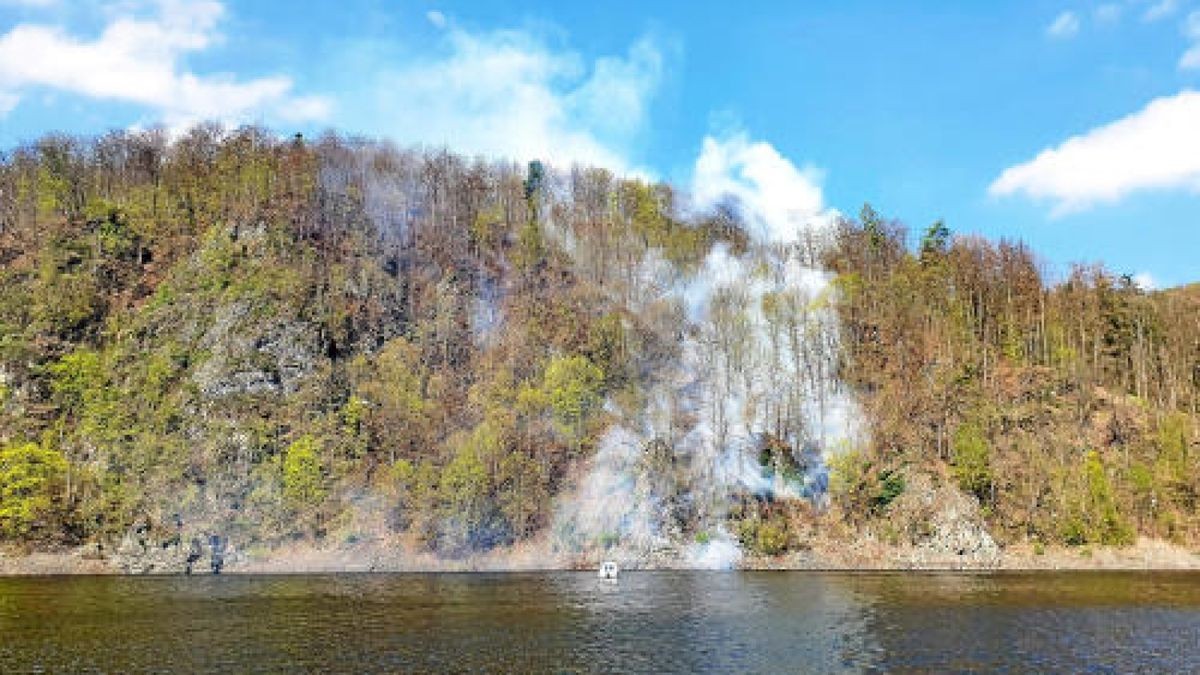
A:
<point x="1065" y="25"/>
<point x="436" y="18"/>
<point x="137" y="59"/>
<point x="1145" y="281"/>
<point x="1191" y="28"/>
<point x="507" y="93"/>
<point x="1190" y="59"/>
<point x="1108" y="13"/>
<point x="1160" y="10"/>
<point x="778" y="199"/>
<point x="28" y="3"/>
<point x="1157" y="147"/>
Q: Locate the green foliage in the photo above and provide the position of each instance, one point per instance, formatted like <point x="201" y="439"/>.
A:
<point x="65" y="299"/>
<point x="469" y="514"/>
<point x="607" y="348"/>
<point x="935" y="242"/>
<point x="650" y="218"/>
<point x="303" y="476"/>
<point x="775" y="456"/>
<point x="389" y="401"/>
<point x="31" y="481"/>
<point x="1106" y="526"/>
<point x="465" y="483"/>
<point x="488" y="228"/>
<point x="890" y="486"/>
<point x="1173" y="439"/>
<point x="972" y="461"/>
<point x="767" y="536"/>
<point x="847" y="477"/>
<point x="1094" y="517"/>
<point x="353" y="418"/>
<point x="872" y="224"/>
<point x="860" y="487"/>
<point x="531" y="248"/>
<point x="77" y="379"/>
<point x="572" y="386"/>
<point x="534" y="178"/>
<point x="524" y="496"/>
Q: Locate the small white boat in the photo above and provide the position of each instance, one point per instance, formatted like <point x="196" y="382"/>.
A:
<point x="609" y="570"/>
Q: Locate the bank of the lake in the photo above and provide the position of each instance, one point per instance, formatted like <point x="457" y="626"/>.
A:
<point x="400" y="556"/>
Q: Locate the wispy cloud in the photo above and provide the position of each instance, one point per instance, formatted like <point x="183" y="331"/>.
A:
<point x="1065" y="25"/>
<point x="1109" y="12"/>
<point x="509" y="93"/>
<point x="436" y="18"/>
<point x="137" y="58"/>
<point x="1156" y="148"/>
<point x="1191" y="29"/>
<point x="1160" y="9"/>
<point x="28" y="3"/>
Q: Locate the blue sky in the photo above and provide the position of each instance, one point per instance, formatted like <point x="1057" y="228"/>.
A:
<point x="1070" y="125"/>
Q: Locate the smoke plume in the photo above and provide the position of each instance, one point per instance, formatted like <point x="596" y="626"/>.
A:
<point x="757" y="368"/>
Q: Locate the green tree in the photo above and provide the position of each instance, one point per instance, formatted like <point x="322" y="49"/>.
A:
<point x="572" y="385"/>
<point x="1106" y="524"/>
<point x="303" y="477"/>
<point x="77" y="379"/>
<point x="1173" y="440"/>
<point x="935" y="242"/>
<point x="390" y="399"/>
<point x="31" y="481"/>
<point x="531" y="246"/>
<point x="872" y="223"/>
<point x="972" y="461"/>
<point x="467" y="507"/>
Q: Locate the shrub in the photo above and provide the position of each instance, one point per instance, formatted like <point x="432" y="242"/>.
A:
<point x="972" y="461"/>
<point x="303" y="477"/>
<point x="31" y="479"/>
<point x="891" y="485"/>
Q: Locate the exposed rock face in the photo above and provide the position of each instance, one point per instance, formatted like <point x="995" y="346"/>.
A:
<point x="942" y="524"/>
<point x="141" y="553"/>
<point x="144" y="551"/>
<point x="248" y="357"/>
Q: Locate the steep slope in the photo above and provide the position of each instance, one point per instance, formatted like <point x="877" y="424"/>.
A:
<point x="339" y="343"/>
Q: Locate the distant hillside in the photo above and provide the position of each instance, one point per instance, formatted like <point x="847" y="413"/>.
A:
<point x="1190" y="292"/>
<point x="284" y="340"/>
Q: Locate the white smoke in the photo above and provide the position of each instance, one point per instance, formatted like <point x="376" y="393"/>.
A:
<point x="612" y="506"/>
<point x="758" y="359"/>
<point x="767" y="338"/>
<point x="719" y="553"/>
<point x="778" y="200"/>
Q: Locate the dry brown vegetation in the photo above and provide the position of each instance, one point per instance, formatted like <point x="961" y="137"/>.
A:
<point x="272" y="336"/>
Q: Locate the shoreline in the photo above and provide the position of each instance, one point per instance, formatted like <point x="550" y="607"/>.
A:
<point x="1145" y="555"/>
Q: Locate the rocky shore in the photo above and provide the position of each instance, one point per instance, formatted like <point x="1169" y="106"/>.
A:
<point x="861" y="555"/>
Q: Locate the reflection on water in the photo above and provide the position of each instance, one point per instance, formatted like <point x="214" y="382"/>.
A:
<point x="572" y="622"/>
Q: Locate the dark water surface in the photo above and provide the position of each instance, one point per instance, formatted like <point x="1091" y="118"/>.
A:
<point x="574" y="622"/>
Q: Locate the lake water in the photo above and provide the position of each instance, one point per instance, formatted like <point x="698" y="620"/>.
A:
<point x="574" y="622"/>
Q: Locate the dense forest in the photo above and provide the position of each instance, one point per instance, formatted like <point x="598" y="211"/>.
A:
<point x="328" y="340"/>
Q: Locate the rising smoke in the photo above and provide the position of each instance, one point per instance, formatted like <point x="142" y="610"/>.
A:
<point x="757" y="365"/>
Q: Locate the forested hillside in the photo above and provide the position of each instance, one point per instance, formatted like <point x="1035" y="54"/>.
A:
<point x="330" y="340"/>
<point x="1067" y="409"/>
